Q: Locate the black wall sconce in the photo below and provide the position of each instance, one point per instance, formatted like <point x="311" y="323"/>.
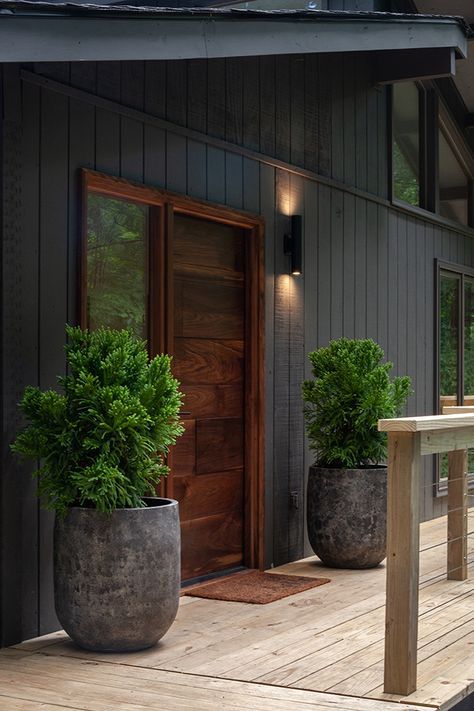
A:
<point x="293" y="245"/>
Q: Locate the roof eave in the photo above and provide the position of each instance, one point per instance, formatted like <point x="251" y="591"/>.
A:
<point x="107" y="37"/>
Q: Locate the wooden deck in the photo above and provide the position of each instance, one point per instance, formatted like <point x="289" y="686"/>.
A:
<point x="320" y="649"/>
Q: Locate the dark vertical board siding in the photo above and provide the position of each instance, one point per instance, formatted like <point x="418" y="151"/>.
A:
<point x="267" y="206"/>
<point x="349" y="79"/>
<point x="83" y="75"/>
<point x="372" y="141"/>
<point x="311" y="274"/>
<point x="336" y="70"/>
<point x="324" y="116"/>
<point x="348" y="259"/>
<point x="297" y="115"/>
<point x="19" y="593"/>
<point x="282" y="107"/>
<point x="155" y="88"/>
<point x="53" y="295"/>
<point x="296" y="375"/>
<point x="216" y="98"/>
<point x="82" y="147"/>
<point x="196" y="163"/>
<point x="59" y="71"/>
<point x="311" y="112"/>
<point x="107" y="137"/>
<point x="337" y="286"/>
<point x="383" y="285"/>
<point x="176" y="92"/>
<point x="108" y="80"/>
<point x="373" y="239"/>
<point x="323" y="282"/>
<point x="132" y="86"/>
<point x="412" y="341"/>
<point x="28" y="318"/>
<point x="391" y="286"/>
<point x="176" y="162"/>
<point x="361" y="84"/>
<point x="107" y="134"/>
<point x="267" y="106"/>
<point x="360" y="264"/>
<point x="251" y="180"/>
<point x="281" y="374"/>
<point x="382" y="138"/>
<point x="216" y="160"/>
<point x="251" y="103"/>
<point x="234" y="101"/>
<point x="401" y="288"/>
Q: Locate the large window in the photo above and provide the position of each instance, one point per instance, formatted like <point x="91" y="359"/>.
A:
<point x="455" y="342"/>
<point x="406" y="161"/>
<point x="432" y="165"/>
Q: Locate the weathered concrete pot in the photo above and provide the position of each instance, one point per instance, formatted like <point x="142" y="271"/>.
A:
<point x="117" y="576"/>
<point x="347" y="516"/>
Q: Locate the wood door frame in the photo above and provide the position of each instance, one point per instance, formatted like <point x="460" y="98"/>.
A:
<point x="161" y="338"/>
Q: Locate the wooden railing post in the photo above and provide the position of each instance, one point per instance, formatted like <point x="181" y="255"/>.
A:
<point x="401" y="626"/>
<point x="457" y="515"/>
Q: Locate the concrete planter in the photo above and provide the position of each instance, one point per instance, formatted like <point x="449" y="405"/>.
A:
<point x="347" y="516"/>
<point x="117" y="576"/>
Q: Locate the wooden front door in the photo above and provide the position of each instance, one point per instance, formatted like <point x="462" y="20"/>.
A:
<point x="189" y="277"/>
<point x="209" y="346"/>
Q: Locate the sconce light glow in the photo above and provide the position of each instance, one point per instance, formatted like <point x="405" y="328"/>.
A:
<point x="293" y="245"/>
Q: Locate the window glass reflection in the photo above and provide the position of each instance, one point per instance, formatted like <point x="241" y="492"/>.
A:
<point x="117" y="282"/>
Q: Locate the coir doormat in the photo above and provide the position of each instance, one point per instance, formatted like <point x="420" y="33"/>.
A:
<point x="255" y="587"/>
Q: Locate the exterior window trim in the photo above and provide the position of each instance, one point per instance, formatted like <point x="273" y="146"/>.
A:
<point x="459" y="271"/>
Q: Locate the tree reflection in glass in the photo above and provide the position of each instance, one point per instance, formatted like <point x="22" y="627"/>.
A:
<point x="117" y="257"/>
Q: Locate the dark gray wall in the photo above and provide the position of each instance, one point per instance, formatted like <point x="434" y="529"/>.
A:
<point x="368" y="268"/>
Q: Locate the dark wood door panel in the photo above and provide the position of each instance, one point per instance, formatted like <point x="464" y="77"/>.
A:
<point x="214" y="400"/>
<point x="201" y="245"/>
<point x="211" y="544"/>
<point x="200" y="496"/>
<point x="208" y="309"/>
<point x="208" y="362"/>
<point x="184" y="452"/>
<point x="219" y="444"/>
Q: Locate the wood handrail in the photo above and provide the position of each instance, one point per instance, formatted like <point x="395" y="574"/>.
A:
<point x="408" y="439"/>
<point x="430" y="422"/>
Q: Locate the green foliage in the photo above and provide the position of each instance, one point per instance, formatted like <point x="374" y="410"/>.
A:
<point x="102" y="441"/>
<point x="405" y="183"/>
<point x="350" y="392"/>
<point x="116" y="263"/>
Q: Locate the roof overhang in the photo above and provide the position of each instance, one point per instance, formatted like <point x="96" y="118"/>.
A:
<point x="39" y="32"/>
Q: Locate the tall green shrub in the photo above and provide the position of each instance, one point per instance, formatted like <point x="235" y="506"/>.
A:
<point x="350" y="392"/>
<point x="103" y="439"/>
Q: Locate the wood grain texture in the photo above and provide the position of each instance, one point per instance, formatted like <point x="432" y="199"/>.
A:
<point x="219" y="444"/>
<point x="210" y="362"/>
<point x="211" y="543"/>
<point x="401" y="621"/>
<point x="426" y="423"/>
<point x="457" y="515"/>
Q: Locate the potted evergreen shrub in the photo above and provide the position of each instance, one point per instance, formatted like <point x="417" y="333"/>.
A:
<point x="101" y="443"/>
<point x="350" y="391"/>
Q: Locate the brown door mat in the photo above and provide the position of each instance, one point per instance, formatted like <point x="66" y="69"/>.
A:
<point x="255" y="587"/>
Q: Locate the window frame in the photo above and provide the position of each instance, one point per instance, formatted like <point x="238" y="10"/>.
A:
<point x="434" y="117"/>
<point x="459" y="271"/>
<point x="422" y="130"/>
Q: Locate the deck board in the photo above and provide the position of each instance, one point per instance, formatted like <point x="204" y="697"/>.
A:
<point x="322" y="648"/>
